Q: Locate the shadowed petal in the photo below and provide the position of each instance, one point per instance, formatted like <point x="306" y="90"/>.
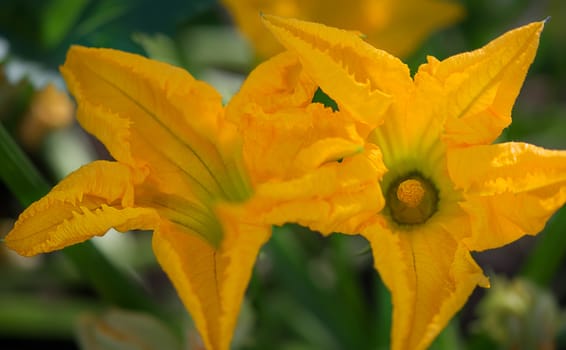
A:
<point x="430" y="276"/>
<point x="397" y="27"/>
<point x="211" y="282"/>
<point x="478" y="89"/>
<point x="87" y="203"/>
<point x="512" y="189"/>
<point x="411" y="22"/>
<point x="358" y="76"/>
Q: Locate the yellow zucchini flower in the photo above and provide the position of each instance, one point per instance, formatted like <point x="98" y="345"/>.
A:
<point x="395" y="26"/>
<point x="180" y="169"/>
<point x="447" y="189"/>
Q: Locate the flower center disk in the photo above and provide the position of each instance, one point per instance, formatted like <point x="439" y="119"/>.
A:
<point x="412" y="200"/>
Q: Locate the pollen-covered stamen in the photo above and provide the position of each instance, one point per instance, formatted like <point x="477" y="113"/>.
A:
<point x="412" y="199"/>
<point x="410" y="192"/>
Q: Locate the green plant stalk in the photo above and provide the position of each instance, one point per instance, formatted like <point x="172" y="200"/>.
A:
<point x="27" y="185"/>
<point x="549" y="253"/>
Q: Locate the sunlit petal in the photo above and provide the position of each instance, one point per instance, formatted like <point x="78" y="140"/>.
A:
<point x="512" y="189"/>
<point x="87" y="203"/>
<point x="211" y="282"/>
<point x="355" y="74"/>
<point x="478" y="88"/>
<point x="430" y="276"/>
<point x="155" y="116"/>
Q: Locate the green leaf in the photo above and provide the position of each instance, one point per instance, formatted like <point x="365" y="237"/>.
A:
<point x="58" y="18"/>
<point x="159" y="47"/>
<point x="549" y="253"/>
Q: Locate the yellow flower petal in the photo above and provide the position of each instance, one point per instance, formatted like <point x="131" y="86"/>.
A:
<point x="479" y="88"/>
<point x="511" y="189"/>
<point x="284" y="134"/>
<point x="336" y="197"/>
<point x="359" y="77"/>
<point x="430" y="276"/>
<point x="279" y="83"/>
<point x="155" y="116"/>
<point x="394" y="26"/>
<point x="410" y="23"/>
<point x="211" y="282"/>
<point x="293" y="151"/>
<point x="87" y="203"/>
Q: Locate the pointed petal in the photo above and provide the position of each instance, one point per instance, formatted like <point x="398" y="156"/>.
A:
<point x="155" y="116"/>
<point x="480" y="87"/>
<point x="512" y="189"/>
<point x="360" y="78"/>
<point x="430" y="276"/>
<point x="87" y="203"/>
<point x="210" y="282"/>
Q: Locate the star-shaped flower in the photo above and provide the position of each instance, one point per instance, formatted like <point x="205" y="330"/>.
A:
<point x="181" y="170"/>
<point x="447" y="190"/>
<point x="396" y="26"/>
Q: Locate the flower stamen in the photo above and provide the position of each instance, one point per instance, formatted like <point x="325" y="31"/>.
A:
<point x="410" y="192"/>
<point x="412" y="200"/>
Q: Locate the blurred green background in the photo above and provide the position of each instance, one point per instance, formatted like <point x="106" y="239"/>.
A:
<point x="307" y="292"/>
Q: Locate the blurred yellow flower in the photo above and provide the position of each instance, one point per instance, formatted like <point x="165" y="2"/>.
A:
<point x="181" y="171"/>
<point x="50" y="109"/>
<point x="394" y="26"/>
<point x="447" y="191"/>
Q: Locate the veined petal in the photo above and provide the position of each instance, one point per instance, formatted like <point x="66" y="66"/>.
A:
<point x="87" y="203"/>
<point x="359" y="77"/>
<point x="427" y="287"/>
<point x="480" y="87"/>
<point x="511" y="189"/>
<point x="211" y="282"/>
<point x="155" y="116"/>
<point x="336" y="197"/>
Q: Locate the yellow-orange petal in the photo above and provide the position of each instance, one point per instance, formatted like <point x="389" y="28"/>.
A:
<point x="284" y="134"/>
<point x="511" y="189"/>
<point x="211" y="282"/>
<point x="156" y="116"/>
<point x="336" y="197"/>
<point x="359" y="77"/>
<point x="479" y="88"/>
<point x="276" y="84"/>
<point x="397" y="27"/>
<point x="427" y="287"/>
<point x="409" y="22"/>
<point x="87" y="203"/>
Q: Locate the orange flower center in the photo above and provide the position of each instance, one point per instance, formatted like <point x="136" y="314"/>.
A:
<point x="412" y="200"/>
<point x="410" y="192"/>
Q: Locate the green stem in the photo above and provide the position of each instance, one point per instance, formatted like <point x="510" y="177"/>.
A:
<point x="549" y="253"/>
<point x="27" y="185"/>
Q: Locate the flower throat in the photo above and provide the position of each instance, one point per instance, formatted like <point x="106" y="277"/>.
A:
<point x="412" y="199"/>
